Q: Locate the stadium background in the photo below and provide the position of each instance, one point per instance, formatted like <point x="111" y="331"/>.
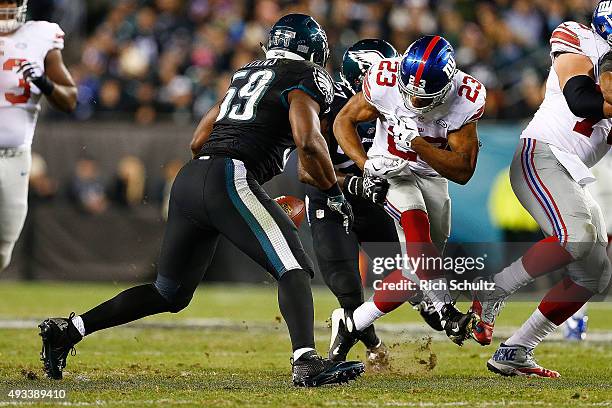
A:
<point x="148" y="70"/>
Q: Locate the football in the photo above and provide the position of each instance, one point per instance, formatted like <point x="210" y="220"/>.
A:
<point x="294" y="207"/>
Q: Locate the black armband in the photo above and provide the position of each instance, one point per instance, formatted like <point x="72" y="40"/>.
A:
<point x="583" y="97"/>
<point x="45" y="85"/>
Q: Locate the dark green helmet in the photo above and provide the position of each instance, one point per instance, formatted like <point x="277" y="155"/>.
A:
<point x="301" y="35"/>
<point x="360" y="56"/>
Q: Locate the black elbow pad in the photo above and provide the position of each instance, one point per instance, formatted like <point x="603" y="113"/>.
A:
<point x="583" y="97"/>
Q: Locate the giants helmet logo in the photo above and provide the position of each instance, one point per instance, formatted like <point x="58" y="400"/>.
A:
<point x="604" y="9"/>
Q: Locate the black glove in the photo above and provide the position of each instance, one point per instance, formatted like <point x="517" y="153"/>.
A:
<point x="339" y="204"/>
<point x="370" y="187"/>
<point x="33" y="73"/>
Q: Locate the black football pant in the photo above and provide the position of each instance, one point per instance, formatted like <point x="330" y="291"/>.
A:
<point x="338" y="252"/>
<point x="214" y="196"/>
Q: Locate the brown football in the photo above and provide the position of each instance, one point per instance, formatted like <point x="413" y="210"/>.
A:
<point x="294" y="207"/>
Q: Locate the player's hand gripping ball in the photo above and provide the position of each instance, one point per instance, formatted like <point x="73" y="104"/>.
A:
<point x="294" y="207"/>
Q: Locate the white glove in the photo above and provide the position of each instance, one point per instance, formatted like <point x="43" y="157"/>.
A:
<point x="404" y="132"/>
<point x="30" y="71"/>
<point x="385" y="167"/>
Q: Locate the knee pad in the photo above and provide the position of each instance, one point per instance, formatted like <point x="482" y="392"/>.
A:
<point x="594" y="271"/>
<point x="581" y="243"/>
<point x="171" y="292"/>
<point x="344" y="281"/>
<point x="6" y="251"/>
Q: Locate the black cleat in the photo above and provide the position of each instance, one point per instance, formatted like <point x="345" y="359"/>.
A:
<point x="458" y="326"/>
<point x="58" y="339"/>
<point x="312" y="370"/>
<point x="429" y="313"/>
<point x="344" y="336"/>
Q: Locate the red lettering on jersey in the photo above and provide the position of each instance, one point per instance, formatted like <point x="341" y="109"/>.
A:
<point x="471" y="87"/>
<point x="390" y="67"/>
<point x="585" y="126"/>
<point x="10" y="65"/>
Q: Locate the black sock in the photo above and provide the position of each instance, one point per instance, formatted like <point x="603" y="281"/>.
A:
<point x="369" y="338"/>
<point x="131" y="304"/>
<point x="295" y="303"/>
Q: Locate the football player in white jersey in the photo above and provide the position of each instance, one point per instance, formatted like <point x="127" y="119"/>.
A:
<point x="31" y="66"/>
<point x="427" y="113"/>
<point x="570" y="133"/>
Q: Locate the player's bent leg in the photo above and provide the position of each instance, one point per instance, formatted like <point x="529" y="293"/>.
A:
<point x="187" y="250"/>
<point x="260" y="228"/>
<point x="561" y="208"/>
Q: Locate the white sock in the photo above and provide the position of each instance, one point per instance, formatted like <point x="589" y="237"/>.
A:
<point x="300" y="352"/>
<point x="78" y="323"/>
<point x="513" y="277"/>
<point x="533" y="331"/>
<point x="366" y="314"/>
<point x="438" y="294"/>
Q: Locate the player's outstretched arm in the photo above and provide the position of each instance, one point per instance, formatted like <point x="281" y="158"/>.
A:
<point x="311" y="146"/>
<point x="202" y="132"/>
<point x="459" y="163"/>
<point x="356" y="110"/>
<point x="62" y="90"/>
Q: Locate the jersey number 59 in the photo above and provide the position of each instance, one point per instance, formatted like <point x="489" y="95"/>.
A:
<point x="245" y="107"/>
<point x="15" y="99"/>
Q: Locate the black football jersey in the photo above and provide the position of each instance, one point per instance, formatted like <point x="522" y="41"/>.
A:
<point x="253" y="123"/>
<point x="366" y="131"/>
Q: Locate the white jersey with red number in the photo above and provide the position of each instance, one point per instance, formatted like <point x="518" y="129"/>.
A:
<point x="19" y="100"/>
<point x="554" y="123"/>
<point x="464" y="104"/>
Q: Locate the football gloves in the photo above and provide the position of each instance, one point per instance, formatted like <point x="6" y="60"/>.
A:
<point x="369" y="187"/>
<point x="339" y="205"/>
<point x="404" y="132"/>
<point x="33" y="73"/>
<point x="384" y="167"/>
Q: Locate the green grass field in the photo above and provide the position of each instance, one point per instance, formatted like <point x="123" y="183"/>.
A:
<point x="230" y="348"/>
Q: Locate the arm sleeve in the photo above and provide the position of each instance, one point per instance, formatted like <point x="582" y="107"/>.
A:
<point x="583" y="97"/>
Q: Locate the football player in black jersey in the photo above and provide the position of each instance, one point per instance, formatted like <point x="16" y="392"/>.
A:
<point x="338" y="253"/>
<point x="272" y="105"/>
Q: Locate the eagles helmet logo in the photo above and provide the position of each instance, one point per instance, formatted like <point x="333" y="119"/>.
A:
<point x="365" y="58"/>
<point x="325" y="84"/>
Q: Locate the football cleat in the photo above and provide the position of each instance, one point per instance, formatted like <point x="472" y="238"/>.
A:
<point x="377" y="358"/>
<point x="58" y="339"/>
<point x="312" y="370"/>
<point x="487" y="305"/>
<point x="458" y="326"/>
<point x="344" y="335"/>
<point x="517" y="360"/>
<point x="428" y="313"/>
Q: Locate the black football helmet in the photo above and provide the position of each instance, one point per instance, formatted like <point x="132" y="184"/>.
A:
<point x="360" y="56"/>
<point x="300" y="35"/>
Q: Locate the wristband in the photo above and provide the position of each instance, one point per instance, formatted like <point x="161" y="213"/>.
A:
<point x="45" y="85"/>
<point x="333" y="191"/>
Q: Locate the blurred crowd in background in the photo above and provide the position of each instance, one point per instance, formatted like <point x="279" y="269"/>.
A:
<point x="172" y="59"/>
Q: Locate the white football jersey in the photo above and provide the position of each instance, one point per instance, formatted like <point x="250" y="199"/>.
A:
<point x="464" y="104"/>
<point x="20" y="100"/>
<point x="554" y="123"/>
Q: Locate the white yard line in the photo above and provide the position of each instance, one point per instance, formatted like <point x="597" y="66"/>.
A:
<point x="403" y="329"/>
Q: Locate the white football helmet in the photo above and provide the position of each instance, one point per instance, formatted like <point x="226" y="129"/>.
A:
<point x="11" y="18"/>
